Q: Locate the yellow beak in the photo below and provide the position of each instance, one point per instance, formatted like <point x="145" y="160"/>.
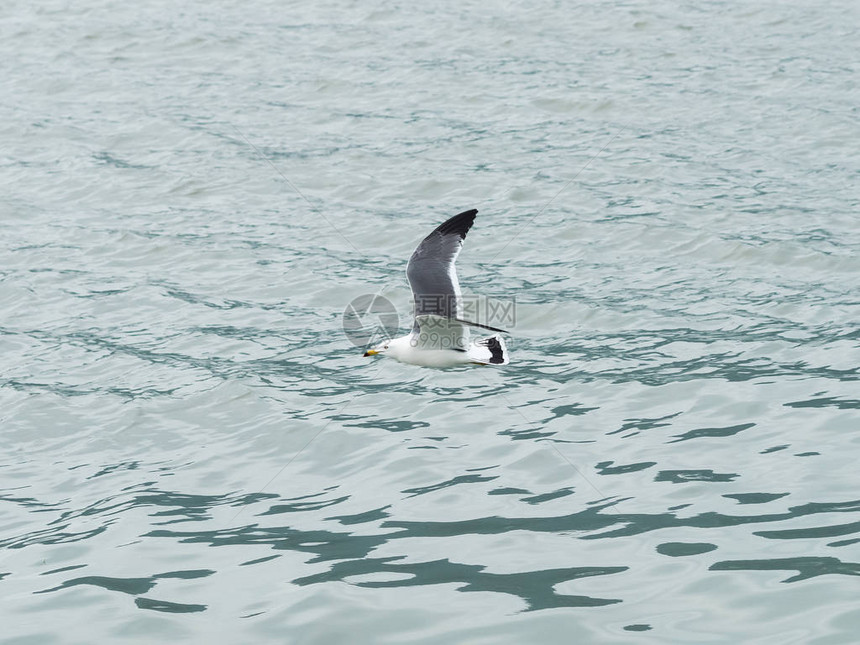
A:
<point x="371" y="352"/>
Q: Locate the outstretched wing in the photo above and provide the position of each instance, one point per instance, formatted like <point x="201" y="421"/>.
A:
<point x="431" y="271"/>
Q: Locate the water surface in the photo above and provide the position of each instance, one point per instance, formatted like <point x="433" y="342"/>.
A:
<point x="193" y="449"/>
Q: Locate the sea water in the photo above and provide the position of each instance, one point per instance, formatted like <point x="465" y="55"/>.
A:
<point x="193" y="450"/>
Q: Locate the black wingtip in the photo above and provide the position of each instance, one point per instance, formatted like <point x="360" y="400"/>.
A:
<point x="459" y="224"/>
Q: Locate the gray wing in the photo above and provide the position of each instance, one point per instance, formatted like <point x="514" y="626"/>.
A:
<point x="431" y="271"/>
<point x="435" y="332"/>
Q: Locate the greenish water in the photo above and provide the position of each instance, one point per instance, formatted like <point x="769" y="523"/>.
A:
<point x="192" y="448"/>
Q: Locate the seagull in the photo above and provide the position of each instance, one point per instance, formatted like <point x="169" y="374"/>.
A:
<point x="440" y="335"/>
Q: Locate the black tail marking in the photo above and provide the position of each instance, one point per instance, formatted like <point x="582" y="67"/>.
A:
<point x="497" y="354"/>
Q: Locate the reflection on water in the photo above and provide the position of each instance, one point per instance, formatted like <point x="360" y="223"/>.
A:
<point x="351" y="552"/>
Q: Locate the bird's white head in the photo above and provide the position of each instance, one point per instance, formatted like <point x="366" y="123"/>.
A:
<point x="378" y="349"/>
<point x="394" y="347"/>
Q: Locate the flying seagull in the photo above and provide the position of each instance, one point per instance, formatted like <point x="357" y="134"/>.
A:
<point x="440" y="335"/>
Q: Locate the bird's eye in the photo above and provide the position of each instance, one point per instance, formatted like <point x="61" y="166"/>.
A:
<point x="386" y="347"/>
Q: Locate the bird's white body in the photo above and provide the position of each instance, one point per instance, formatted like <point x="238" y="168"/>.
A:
<point x="406" y="350"/>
